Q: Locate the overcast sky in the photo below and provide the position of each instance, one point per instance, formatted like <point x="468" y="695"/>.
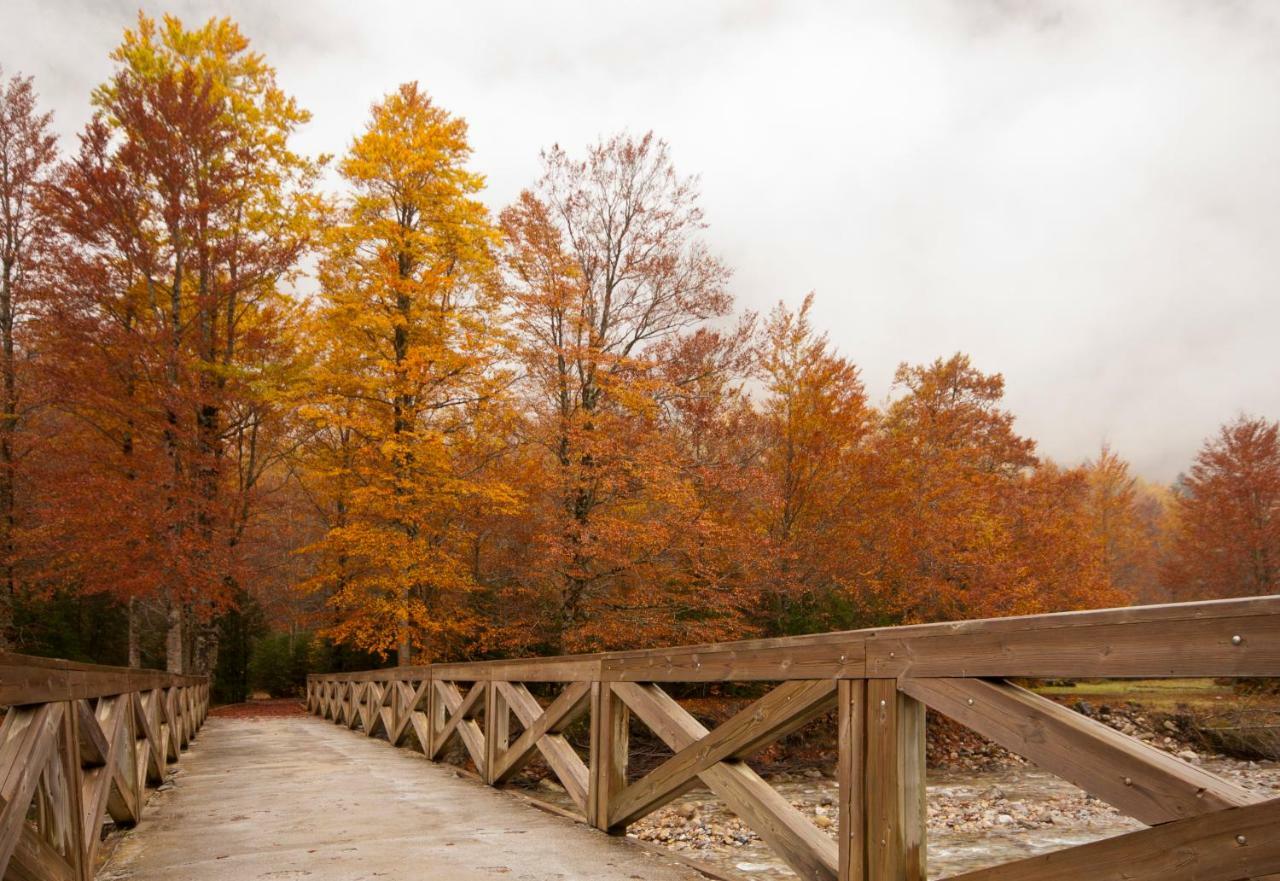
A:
<point x="1084" y="196"/>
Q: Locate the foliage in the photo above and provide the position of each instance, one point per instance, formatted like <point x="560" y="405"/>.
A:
<point x="542" y="431"/>
<point x="406" y="383"/>
<point x="1228" y="514"/>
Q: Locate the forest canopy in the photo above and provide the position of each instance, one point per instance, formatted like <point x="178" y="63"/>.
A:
<point x="383" y="421"/>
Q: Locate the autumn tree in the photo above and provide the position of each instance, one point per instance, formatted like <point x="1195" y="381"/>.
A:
<point x="815" y="430"/>
<point x="1227" y="510"/>
<point x="1127" y="524"/>
<point x="606" y="273"/>
<point x="965" y="522"/>
<point x="407" y="385"/>
<point x="28" y="151"/>
<point x="183" y="214"/>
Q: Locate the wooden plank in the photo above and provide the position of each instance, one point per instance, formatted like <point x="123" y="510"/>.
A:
<point x="34" y="859"/>
<point x="783" y="710"/>
<point x="460" y="721"/>
<point x="1187" y="639"/>
<point x="851" y="769"/>
<point x="1167" y="647"/>
<point x="610" y="758"/>
<point x="25" y="679"/>
<point x="1226" y="845"/>
<point x="1144" y="782"/>
<point x="28" y="738"/>
<point x="542" y="733"/>
<point x="895" y="784"/>
<point x="497" y="730"/>
<point x="97" y="782"/>
<point x="70" y="802"/>
<point x="594" y="817"/>
<point x="805" y="848"/>
<point x="412" y="702"/>
<point x="124" y="798"/>
<point x="94" y="744"/>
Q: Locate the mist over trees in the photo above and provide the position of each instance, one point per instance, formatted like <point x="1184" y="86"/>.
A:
<point x="537" y="430"/>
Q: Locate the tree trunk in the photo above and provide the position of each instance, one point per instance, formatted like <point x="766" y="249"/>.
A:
<point x="8" y="427"/>
<point x="404" y="651"/>
<point x="135" y="644"/>
<point x="174" y="650"/>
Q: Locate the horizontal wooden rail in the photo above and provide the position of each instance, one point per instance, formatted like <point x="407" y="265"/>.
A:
<point x="80" y="743"/>
<point x="878" y="683"/>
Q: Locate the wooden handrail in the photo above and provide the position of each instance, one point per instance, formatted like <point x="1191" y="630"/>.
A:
<point x="80" y="743"/>
<point x="879" y="682"/>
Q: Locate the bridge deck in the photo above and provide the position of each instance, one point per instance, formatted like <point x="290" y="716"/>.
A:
<point x="299" y="798"/>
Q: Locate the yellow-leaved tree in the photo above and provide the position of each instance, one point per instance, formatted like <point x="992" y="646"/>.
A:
<point x="406" y="392"/>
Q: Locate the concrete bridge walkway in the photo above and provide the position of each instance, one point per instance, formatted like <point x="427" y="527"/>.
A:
<point x="295" y="797"/>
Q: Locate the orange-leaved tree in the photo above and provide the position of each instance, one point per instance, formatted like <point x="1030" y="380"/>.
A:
<point x="1227" y="509"/>
<point x="182" y="218"/>
<point x="607" y="276"/>
<point x="814" y="437"/>
<point x="28" y="150"/>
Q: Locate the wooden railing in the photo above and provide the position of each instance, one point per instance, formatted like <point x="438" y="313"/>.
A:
<point x="81" y="743"/>
<point x="879" y="682"/>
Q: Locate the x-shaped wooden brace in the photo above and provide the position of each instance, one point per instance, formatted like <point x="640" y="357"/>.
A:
<point x="716" y="758"/>
<point x="34" y="757"/>
<point x="543" y="733"/>
<point x="374" y="716"/>
<point x="1202" y="826"/>
<point x="151" y="752"/>
<point x="411" y="706"/>
<point x="112" y="782"/>
<point x="459" y="713"/>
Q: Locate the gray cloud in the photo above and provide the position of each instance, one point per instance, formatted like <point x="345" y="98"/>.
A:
<point x="1081" y="195"/>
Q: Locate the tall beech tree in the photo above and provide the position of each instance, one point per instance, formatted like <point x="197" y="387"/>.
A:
<point x="183" y="214"/>
<point x="1227" y="510"/>
<point x="28" y="151"/>
<point x="407" y="385"/>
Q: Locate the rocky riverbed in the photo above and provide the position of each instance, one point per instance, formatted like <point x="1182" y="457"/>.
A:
<point x="976" y="819"/>
<point x="986" y="806"/>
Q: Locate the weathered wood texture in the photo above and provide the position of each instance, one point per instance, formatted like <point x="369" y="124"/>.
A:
<point x="878" y="682"/>
<point x="80" y="744"/>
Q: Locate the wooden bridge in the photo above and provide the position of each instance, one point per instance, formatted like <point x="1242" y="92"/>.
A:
<point x="79" y="744"/>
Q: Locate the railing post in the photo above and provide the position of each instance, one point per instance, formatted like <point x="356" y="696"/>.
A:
<point x="435" y="716"/>
<point x="73" y="771"/>
<point x="851" y="772"/>
<point x="497" y="729"/>
<point x="610" y="726"/>
<point x="894" y="775"/>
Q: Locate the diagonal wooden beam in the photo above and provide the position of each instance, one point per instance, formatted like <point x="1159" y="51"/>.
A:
<point x="35" y="859"/>
<point x="124" y="797"/>
<point x="786" y="708"/>
<point x="1140" y="780"/>
<point x="1226" y="845"/>
<point x="96" y="782"/>
<point x="542" y="732"/>
<point x="805" y="848"/>
<point x="145" y="717"/>
<point x="94" y="743"/>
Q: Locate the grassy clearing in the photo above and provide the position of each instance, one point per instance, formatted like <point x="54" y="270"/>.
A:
<point x="1162" y="695"/>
